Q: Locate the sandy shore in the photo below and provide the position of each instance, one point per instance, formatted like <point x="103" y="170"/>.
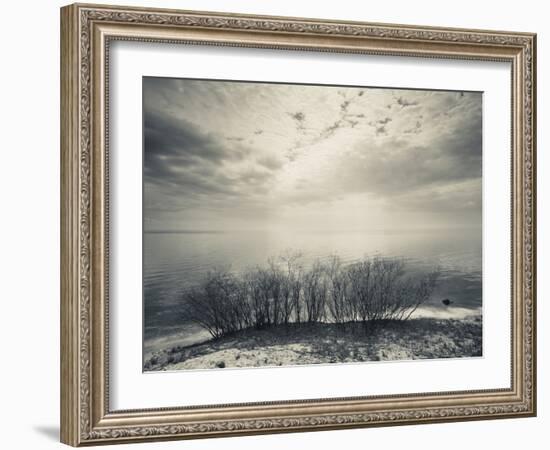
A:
<point x="322" y="343"/>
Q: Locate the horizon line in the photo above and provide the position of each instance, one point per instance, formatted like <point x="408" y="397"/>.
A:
<point x="212" y="231"/>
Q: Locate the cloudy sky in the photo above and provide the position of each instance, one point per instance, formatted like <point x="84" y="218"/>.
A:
<point x="255" y="156"/>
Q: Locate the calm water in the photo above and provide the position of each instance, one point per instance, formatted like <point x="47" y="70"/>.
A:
<point x="175" y="261"/>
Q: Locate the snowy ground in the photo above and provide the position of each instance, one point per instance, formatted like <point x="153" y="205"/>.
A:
<point x="321" y="343"/>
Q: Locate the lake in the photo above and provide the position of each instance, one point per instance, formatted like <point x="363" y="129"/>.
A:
<point x="174" y="261"/>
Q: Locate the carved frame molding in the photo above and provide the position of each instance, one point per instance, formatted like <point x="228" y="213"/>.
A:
<point x="86" y="32"/>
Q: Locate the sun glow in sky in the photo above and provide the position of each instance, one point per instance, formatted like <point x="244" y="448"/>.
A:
<point x="222" y="155"/>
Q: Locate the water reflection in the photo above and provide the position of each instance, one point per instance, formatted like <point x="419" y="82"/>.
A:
<point x="175" y="261"/>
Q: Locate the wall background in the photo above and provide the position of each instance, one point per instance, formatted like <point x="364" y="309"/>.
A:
<point x="29" y="237"/>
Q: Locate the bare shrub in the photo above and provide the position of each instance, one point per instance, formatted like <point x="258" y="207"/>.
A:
<point x="217" y="304"/>
<point x="264" y="287"/>
<point x="337" y="285"/>
<point x="369" y="291"/>
<point x="315" y="293"/>
<point x="379" y="290"/>
<point x="291" y="285"/>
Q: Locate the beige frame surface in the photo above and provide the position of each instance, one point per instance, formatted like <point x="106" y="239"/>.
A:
<point x="86" y="32"/>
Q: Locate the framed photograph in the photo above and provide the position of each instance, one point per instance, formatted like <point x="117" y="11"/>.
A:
<point x="275" y="224"/>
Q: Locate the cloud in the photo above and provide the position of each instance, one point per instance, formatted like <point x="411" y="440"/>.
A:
<point x="417" y="128"/>
<point x="300" y="118"/>
<point x="270" y="162"/>
<point x="344" y="106"/>
<point x="218" y="150"/>
<point x="171" y="143"/>
<point x="380" y="126"/>
<point x="184" y="166"/>
<point x="371" y="167"/>
<point x="331" y="129"/>
<point x="463" y="197"/>
<point x="404" y="103"/>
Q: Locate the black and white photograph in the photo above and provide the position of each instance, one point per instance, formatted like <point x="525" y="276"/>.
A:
<point x="290" y="224"/>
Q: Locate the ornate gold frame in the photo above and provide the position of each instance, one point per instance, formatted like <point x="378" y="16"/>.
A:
<point x="86" y="31"/>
